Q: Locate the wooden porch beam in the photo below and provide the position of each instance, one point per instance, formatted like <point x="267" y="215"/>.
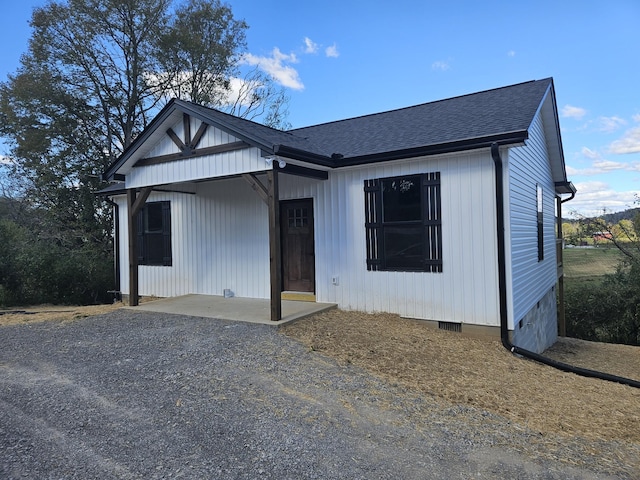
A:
<point x="186" y="123"/>
<point x="134" y="204"/>
<point x="260" y="189"/>
<point x="305" y="172"/>
<point x="184" y="155"/>
<point x="176" y="139"/>
<point x="199" y="134"/>
<point x="275" y="251"/>
<point x="140" y="200"/>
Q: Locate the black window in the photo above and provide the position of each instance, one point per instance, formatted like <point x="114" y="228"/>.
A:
<point x="540" y="204"/>
<point x="154" y="234"/>
<point x="403" y="223"/>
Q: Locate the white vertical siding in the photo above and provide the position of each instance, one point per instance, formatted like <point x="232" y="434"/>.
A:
<point x="198" y="168"/>
<point x="529" y="166"/>
<point x="231" y="236"/>
<point x="466" y="290"/>
<point x="220" y="240"/>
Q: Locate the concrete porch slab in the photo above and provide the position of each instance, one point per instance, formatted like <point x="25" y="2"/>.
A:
<point x="253" y="310"/>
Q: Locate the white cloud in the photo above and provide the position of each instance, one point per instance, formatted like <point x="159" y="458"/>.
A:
<point x="239" y="92"/>
<point x="636" y="117"/>
<point x="573" y="112"/>
<point x="595" y="197"/>
<point x="310" y="46"/>
<point x="276" y="66"/>
<point x="610" y="124"/>
<point x="587" y="152"/>
<point x="629" y="143"/>
<point x="440" y="65"/>
<point x="600" y="165"/>
<point x="332" y="51"/>
<point x="572" y="171"/>
<point x="609" y="166"/>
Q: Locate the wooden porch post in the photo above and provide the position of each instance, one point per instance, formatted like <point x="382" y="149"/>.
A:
<point x="562" y="320"/>
<point x="275" y="252"/>
<point x="133" y="248"/>
<point x="134" y="204"/>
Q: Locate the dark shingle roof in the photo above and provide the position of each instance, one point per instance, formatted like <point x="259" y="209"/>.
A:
<point x="493" y="113"/>
<point x="246" y="129"/>
<point x="471" y="121"/>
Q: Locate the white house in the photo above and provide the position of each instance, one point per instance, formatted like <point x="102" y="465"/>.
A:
<point x="444" y="211"/>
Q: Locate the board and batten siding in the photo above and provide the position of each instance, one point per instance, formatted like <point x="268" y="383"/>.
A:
<point x="530" y="279"/>
<point x="208" y="166"/>
<point x="219" y="240"/>
<point x="466" y="291"/>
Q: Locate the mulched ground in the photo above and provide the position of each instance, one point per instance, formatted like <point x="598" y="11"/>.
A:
<point x="482" y="374"/>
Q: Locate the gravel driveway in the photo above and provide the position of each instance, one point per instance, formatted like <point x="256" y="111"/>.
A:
<point x="145" y="395"/>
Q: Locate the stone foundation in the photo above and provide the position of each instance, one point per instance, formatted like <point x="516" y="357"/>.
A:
<point x="538" y="329"/>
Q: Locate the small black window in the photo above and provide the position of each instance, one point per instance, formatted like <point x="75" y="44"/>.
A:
<point x="540" y="205"/>
<point x="403" y="225"/>
<point x="154" y="234"/>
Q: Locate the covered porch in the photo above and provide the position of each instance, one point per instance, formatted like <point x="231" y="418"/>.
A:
<point x="208" y="192"/>
<point x="241" y="309"/>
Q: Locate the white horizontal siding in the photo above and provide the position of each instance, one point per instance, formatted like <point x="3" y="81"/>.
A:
<point x="529" y="166"/>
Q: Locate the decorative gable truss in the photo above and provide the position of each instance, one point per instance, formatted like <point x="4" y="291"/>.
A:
<point x="188" y="145"/>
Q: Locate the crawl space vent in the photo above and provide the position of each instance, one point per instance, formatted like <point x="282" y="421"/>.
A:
<point x="450" y="326"/>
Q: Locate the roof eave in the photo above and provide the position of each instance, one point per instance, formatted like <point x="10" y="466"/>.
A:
<point x="303" y="155"/>
<point x="112" y="169"/>
<point x="165" y="113"/>
<point x="510" y="138"/>
<point x="566" y="187"/>
<point x="252" y="140"/>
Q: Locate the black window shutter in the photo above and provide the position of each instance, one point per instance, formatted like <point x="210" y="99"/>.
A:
<point x="166" y="233"/>
<point x="432" y="221"/>
<point x="140" y="240"/>
<point x="373" y="223"/>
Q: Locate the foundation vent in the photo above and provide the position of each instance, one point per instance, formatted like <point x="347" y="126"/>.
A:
<point x="450" y="326"/>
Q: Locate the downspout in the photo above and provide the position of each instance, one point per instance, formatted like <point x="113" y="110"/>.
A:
<point x="502" y="285"/>
<point x="116" y="243"/>
<point x="573" y="194"/>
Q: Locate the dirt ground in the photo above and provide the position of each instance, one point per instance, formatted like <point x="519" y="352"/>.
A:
<point x="481" y="373"/>
<point x="42" y="313"/>
<point x="458" y="370"/>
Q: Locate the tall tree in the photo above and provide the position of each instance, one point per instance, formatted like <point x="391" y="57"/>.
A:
<point x="200" y="53"/>
<point x="95" y="72"/>
<point x="200" y="49"/>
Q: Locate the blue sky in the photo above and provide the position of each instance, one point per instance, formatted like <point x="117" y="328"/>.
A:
<point x="340" y="59"/>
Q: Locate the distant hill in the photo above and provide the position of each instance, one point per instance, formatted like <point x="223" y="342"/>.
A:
<point x="624" y="215"/>
<point x="613" y="218"/>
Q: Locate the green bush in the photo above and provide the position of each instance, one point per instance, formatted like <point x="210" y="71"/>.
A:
<point x="606" y="311"/>
<point x="36" y="270"/>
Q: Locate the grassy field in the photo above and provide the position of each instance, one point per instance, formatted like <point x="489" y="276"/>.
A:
<point x="590" y="263"/>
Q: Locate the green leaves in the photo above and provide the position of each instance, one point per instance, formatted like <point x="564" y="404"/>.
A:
<point x="94" y="75"/>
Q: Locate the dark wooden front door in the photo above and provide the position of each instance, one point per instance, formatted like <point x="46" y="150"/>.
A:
<point x="298" y="259"/>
